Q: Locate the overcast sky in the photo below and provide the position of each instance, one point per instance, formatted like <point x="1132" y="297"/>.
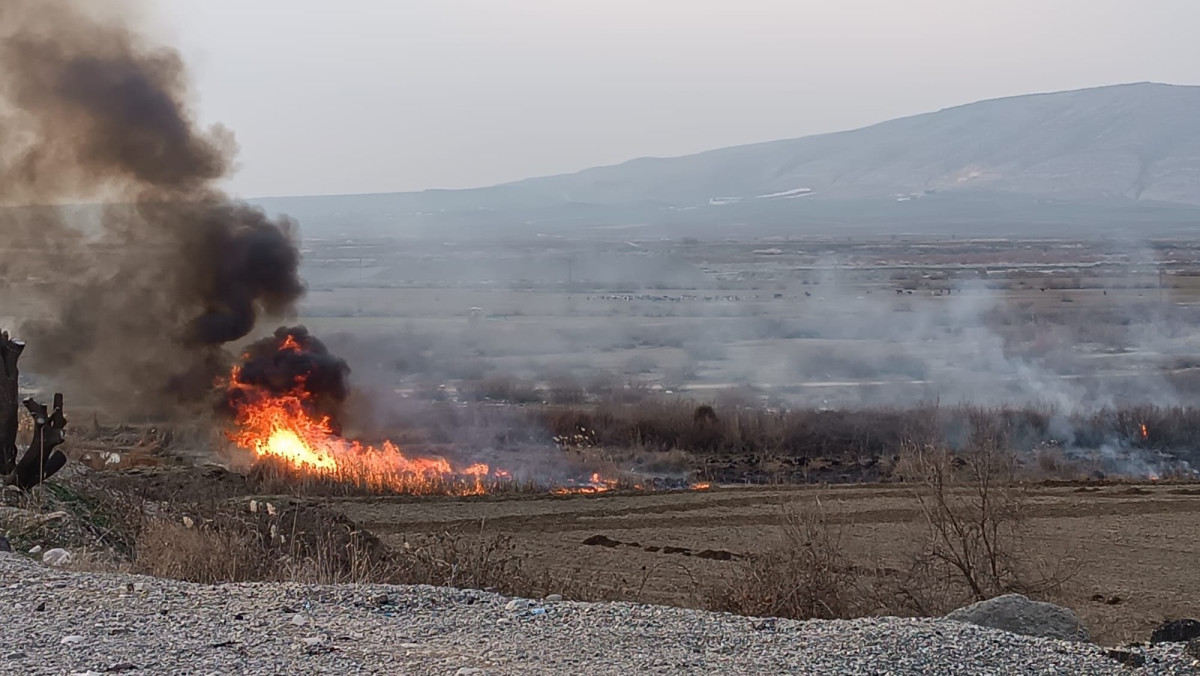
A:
<point x="390" y="95"/>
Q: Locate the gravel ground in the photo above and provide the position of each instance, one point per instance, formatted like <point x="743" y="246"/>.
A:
<point x="64" y="622"/>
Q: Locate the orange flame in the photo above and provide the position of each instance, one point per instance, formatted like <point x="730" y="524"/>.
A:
<point x="282" y="428"/>
<point x="1145" y="432"/>
<point x="279" y="428"/>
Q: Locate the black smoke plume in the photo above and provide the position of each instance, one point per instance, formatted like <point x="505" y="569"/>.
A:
<point x="293" y="362"/>
<point x="128" y="299"/>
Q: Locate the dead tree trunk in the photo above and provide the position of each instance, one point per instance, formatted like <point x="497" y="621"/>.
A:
<point x="41" y="459"/>
<point x="10" y="351"/>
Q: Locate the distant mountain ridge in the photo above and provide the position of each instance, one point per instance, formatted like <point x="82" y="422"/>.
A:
<point x="1073" y="155"/>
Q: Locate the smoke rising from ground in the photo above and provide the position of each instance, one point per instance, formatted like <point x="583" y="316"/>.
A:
<point x="137" y="296"/>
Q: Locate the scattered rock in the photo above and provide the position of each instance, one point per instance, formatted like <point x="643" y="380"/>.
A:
<point x="36" y="549"/>
<point x="140" y="587"/>
<point x="121" y="666"/>
<point x="56" y="557"/>
<point x="40" y="606"/>
<point x="1176" y="631"/>
<point x="4" y="545"/>
<point x="15" y="656"/>
<point x="601" y="540"/>
<point x="299" y="620"/>
<point x="767" y="624"/>
<point x="313" y="640"/>
<point x="381" y="600"/>
<point x="1020" y="615"/>
<point x="72" y="639"/>
<point x="1126" y="657"/>
<point x="517" y="604"/>
<point x="1192" y="649"/>
<point x="554" y="598"/>
<point x="469" y="671"/>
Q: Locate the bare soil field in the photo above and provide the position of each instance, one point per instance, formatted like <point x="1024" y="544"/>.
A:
<point x="1137" y="544"/>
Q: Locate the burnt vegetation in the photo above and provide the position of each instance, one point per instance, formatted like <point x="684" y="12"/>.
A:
<point x="759" y="445"/>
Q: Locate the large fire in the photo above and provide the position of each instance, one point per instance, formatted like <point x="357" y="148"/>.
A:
<point x="280" y="428"/>
<point x="278" y="419"/>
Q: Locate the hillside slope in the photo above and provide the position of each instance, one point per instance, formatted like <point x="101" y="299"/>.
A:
<point x="1096" y="149"/>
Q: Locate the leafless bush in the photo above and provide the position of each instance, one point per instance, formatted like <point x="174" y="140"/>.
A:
<point x="974" y="513"/>
<point x="460" y="559"/>
<point x="805" y="574"/>
<point x="970" y="547"/>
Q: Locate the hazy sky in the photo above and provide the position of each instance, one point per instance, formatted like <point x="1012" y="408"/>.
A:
<point x="385" y="95"/>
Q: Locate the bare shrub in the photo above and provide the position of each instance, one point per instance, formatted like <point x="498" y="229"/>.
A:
<point x="458" y="559"/>
<point x="805" y="574"/>
<point x="974" y="511"/>
<point x="970" y="547"/>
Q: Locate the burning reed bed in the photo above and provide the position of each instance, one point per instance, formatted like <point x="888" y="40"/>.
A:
<point x="275" y="476"/>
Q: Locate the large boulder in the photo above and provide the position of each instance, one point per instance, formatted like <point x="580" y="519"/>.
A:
<point x="1020" y="615"/>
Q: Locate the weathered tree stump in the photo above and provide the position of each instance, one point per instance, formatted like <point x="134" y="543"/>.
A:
<point x="10" y="351"/>
<point x="41" y="459"/>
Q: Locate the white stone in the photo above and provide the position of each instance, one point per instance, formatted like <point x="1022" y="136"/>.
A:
<point x="72" y="639"/>
<point x="56" y="557"/>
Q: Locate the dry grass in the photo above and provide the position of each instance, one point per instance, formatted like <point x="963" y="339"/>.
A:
<point x="972" y="513"/>
<point x="806" y="573"/>
<point x="1038" y="434"/>
<point x="281" y="539"/>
